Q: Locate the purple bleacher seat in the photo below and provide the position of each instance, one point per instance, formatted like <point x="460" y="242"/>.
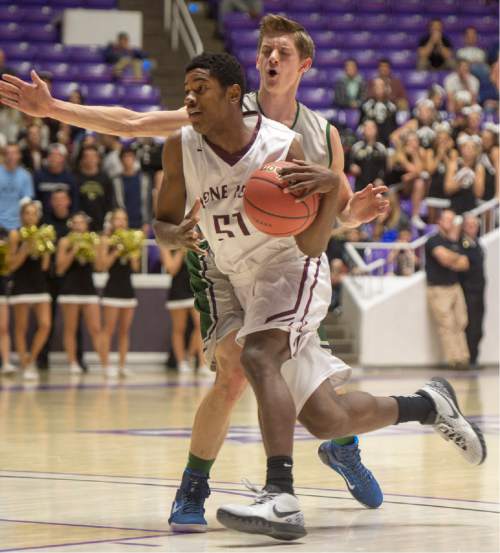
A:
<point x="243" y="38"/>
<point x="326" y="39"/>
<point x="396" y="40"/>
<point x="104" y="93"/>
<point x="415" y="23"/>
<point x="348" y="117"/>
<point x="141" y="94"/>
<point x="478" y="8"/>
<point x="273" y="6"/>
<point x="63" y="89"/>
<point x="418" y="79"/>
<point x="339" y="6"/>
<point x="68" y="3"/>
<point x="315" y="77"/>
<point x="40" y="14"/>
<point x="366" y="58"/>
<point x="51" y="52"/>
<point x="311" y="21"/>
<point x="308" y="6"/>
<point x="362" y="39"/>
<point x="488" y="24"/>
<point x="93" y="72"/>
<point x="246" y="56"/>
<point x="316" y="98"/>
<point x="408" y="6"/>
<point x="11" y="31"/>
<point x="443" y="7"/>
<point x="415" y="95"/>
<point x="452" y="23"/>
<point x="21" y="68"/>
<point x="378" y="22"/>
<point x="329" y="114"/>
<point x="12" y="14"/>
<point x="85" y="54"/>
<point x="60" y="71"/>
<point x="401" y="59"/>
<point x="40" y="33"/>
<point x="236" y="20"/>
<point x="27" y="3"/>
<point x="331" y="58"/>
<point x="344" y="22"/>
<point x="100" y="4"/>
<point x="252" y="78"/>
<point x="334" y="75"/>
<point x="372" y="6"/>
<point x="19" y="51"/>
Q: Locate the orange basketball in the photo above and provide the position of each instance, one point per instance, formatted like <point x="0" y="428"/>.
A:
<point x="270" y="209"/>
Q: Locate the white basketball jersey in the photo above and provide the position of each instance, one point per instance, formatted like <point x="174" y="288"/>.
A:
<point x="237" y="245"/>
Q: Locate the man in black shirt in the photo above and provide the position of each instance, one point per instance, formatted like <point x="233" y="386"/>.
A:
<point x="444" y="262"/>
<point x="94" y="188"/>
<point x="368" y="158"/>
<point x="434" y="48"/>
<point x="473" y="284"/>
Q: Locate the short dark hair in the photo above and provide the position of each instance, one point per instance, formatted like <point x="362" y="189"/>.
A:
<point x="351" y="60"/>
<point x="59" y="189"/>
<point x="127" y="150"/>
<point x="223" y="67"/>
<point x="90" y="147"/>
<point x="384" y="60"/>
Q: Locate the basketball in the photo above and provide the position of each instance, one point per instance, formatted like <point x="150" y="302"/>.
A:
<point x="270" y="209"/>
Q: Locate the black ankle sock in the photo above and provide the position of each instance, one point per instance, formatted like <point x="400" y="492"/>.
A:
<point x="279" y="473"/>
<point x="415" y="407"/>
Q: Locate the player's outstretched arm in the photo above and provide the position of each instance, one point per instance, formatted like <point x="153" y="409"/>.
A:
<point x="35" y="99"/>
<point x="174" y="229"/>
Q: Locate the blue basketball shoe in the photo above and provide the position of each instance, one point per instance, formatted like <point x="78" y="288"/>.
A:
<point x="188" y="511"/>
<point x="346" y="460"/>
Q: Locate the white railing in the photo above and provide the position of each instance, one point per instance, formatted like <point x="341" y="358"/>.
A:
<point x="487" y="212"/>
<point x="179" y="23"/>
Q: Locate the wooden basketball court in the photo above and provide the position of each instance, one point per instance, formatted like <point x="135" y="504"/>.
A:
<point x="93" y="466"/>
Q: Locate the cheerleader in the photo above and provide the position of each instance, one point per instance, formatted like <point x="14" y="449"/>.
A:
<point x="180" y="304"/>
<point x="119" y="301"/>
<point x="29" y="288"/>
<point x="76" y="255"/>
<point x="7" y="367"/>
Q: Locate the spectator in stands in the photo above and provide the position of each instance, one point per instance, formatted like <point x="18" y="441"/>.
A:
<point x="409" y="162"/>
<point x="473" y="116"/>
<point x="488" y="90"/>
<point x="471" y="52"/>
<point x="488" y="188"/>
<point x="4" y="68"/>
<point x="54" y="176"/>
<point x="463" y="174"/>
<point x="473" y="284"/>
<point x="133" y="192"/>
<point x="403" y="262"/>
<point x="387" y="226"/>
<point x="11" y="122"/>
<point x="434" y="48"/>
<point x="252" y="7"/>
<point x="395" y="88"/>
<point x="15" y="184"/>
<point x="446" y="300"/>
<point x="350" y="89"/>
<point x="423" y="123"/>
<point x="461" y="80"/>
<point x="437" y="95"/>
<point x="437" y="160"/>
<point x="381" y="110"/>
<point x="112" y="146"/>
<point x="32" y="153"/>
<point x="121" y="55"/>
<point x="94" y="188"/>
<point x="368" y="158"/>
<point x="148" y="152"/>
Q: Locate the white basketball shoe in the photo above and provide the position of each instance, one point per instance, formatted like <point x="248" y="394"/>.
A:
<point x="273" y="513"/>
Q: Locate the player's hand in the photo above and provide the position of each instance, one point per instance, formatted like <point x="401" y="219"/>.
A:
<point x="306" y="179"/>
<point x="31" y="98"/>
<point x="183" y="235"/>
<point x="368" y="203"/>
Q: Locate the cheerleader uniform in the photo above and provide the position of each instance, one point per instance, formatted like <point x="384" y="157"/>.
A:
<point x="29" y="283"/>
<point x="490" y="178"/>
<point x="436" y="189"/>
<point x="119" y="291"/>
<point x="463" y="199"/>
<point x="78" y="286"/>
<point x="3" y="289"/>
<point x="180" y="294"/>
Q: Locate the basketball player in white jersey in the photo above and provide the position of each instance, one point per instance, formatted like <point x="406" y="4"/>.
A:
<point x="323" y="425"/>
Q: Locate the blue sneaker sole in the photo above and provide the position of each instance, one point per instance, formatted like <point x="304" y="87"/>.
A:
<point x="325" y="459"/>
<point x="188" y="528"/>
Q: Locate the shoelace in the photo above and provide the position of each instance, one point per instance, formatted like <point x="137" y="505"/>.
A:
<point x="352" y="459"/>
<point x="194" y="496"/>
<point x="261" y="495"/>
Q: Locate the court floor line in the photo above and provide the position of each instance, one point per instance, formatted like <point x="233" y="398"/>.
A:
<point x="177" y="481"/>
<point x="93" y="542"/>
<point x="243" y="494"/>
